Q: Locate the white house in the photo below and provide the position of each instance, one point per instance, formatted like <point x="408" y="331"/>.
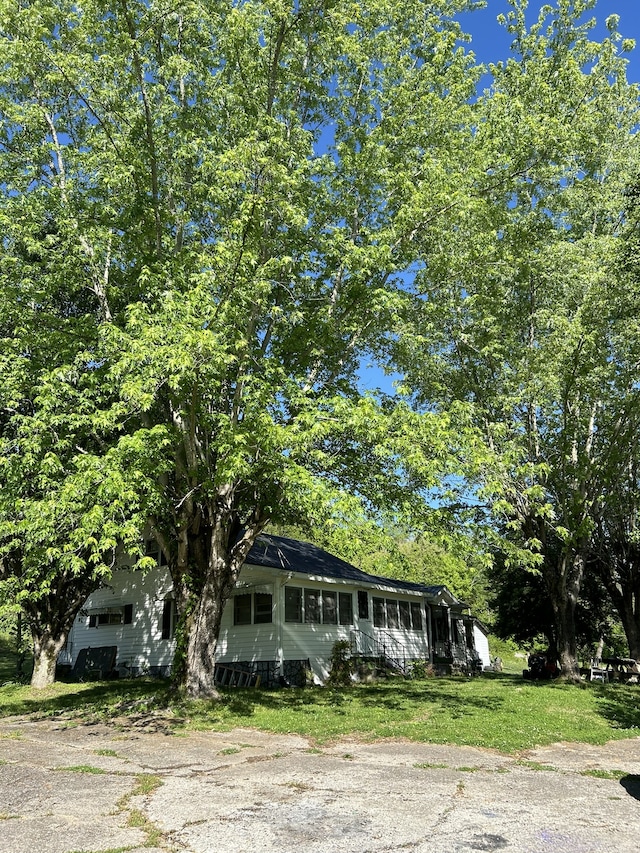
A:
<point x="290" y="605"/>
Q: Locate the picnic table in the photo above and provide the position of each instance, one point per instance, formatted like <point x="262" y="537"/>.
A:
<point x="622" y="669"/>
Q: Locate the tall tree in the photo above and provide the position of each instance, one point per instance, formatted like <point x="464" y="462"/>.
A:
<point x="236" y="191"/>
<point x="615" y="553"/>
<point x="534" y="331"/>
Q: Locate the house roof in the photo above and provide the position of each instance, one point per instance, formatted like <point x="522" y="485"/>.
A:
<point x="291" y="555"/>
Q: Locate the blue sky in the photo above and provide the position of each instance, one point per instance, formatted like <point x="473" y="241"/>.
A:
<point x="491" y="42"/>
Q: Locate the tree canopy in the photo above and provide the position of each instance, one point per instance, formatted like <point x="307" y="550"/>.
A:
<point x="213" y="215"/>
<point x="210" y="217"/>
<point x="531" y="320"/>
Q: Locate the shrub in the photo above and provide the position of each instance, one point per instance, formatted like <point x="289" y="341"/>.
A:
<point x="421" y="669"/>
<point x="340" y="671"/>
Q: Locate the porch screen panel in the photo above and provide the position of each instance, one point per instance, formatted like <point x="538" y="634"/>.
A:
<point x="440" y="631"/>
<point x="345" y="608"/>
<point x="405" y="614"/>
<point x="416" y="616"/>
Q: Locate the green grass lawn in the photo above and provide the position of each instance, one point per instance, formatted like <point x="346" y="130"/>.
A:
<point x="502" y="712"/>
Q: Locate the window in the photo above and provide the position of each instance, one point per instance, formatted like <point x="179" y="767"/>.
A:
<point x="379" y="615"/>
<point x="326" y="606"/>
<point x="114" y="616"/>
<point x="329" y="608"/>
<point x="393" y="620"/>
<point x="391" y="613"/>
<point x="405" y="614"/>
<point x="152" y="549"/>
<point x="263" y="608"/>
<point x="311" y="605"/>
<point x="292" y="604"/>
<point x="259" y="605"/>
<point x="363" y="604"/>
<point x="168" y="618"/>
<point x="416" y="616"/>
<point x="242" y="609"/>
<point x="345" y="601"/>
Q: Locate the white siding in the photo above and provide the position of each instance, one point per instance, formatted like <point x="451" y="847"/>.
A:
<point x="140" y="644"/>
<point x="301" y="641"/>
<point x="482" y="645"/>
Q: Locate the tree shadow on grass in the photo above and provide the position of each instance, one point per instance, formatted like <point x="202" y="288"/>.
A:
<point x="393" y="696"/>
<point x="620" y="705"/>
<point x="99" y="699"/>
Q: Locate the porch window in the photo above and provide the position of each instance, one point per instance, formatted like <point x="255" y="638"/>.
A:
<point x="405" y="614"/>
<point x="391" y="613"/>
<point x="345" y="601"/>
<point x="312" y="605"/>
<point x="393" y="620"/>
<point x="315" y="606"/>
<point x="379" y="616"/>
<point x="292" y="604"/>
<point x="329" y="608"/>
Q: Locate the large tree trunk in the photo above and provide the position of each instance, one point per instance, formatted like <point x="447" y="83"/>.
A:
<point x="627" y="605"/>
<point x="564" y="580"/>
<point x="204" y="631"/>
<point x="212" y="545"/>
<point x="46" y="649"/>
<point x="50" y="620"/>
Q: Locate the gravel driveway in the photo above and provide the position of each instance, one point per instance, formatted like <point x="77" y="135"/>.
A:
<point x="137" y="787"/>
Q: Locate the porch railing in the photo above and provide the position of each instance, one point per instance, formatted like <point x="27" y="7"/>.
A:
<point x="384" y="646"/>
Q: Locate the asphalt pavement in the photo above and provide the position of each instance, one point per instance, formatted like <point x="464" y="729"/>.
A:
<point x="138" y="787"/>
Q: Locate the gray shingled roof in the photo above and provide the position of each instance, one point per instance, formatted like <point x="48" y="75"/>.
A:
<point x="291" y="555"/>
